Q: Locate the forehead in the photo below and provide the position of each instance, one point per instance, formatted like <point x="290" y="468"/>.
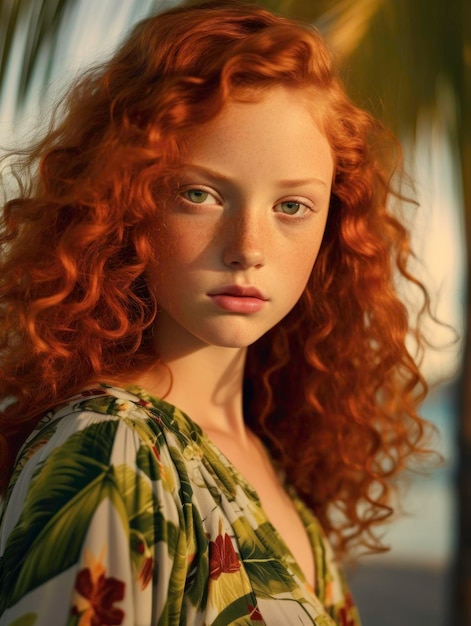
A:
<point x="278" y="128"/>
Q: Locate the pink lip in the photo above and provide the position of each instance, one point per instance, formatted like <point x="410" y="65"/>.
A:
<point x="239" y="299"/>
<point x="239" y="290"/>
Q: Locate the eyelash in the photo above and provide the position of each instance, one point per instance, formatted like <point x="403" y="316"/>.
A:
<point x="202" y="189"/>
<point x="305" y="213"/>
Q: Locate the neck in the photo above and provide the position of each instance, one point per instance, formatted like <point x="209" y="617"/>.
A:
<point x="205" y="383"/>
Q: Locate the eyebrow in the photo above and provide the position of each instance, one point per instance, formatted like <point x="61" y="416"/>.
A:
<point x="301" y="182"/>
<point x="281" y="183"/>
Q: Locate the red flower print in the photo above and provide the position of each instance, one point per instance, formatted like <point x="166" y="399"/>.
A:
<point x="97" y="595"/>
<point x="223" y="558"/>
<point x="91" y="392"/>
<point x="143" y="403"/>
<point x="345" y="618"/>
<point x="146" y="572"/>
<point x="142" y="558"/>
<point x="255" y="614"/>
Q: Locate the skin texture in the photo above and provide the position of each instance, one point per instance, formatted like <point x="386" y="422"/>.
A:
<point x="238" y="215"/>
<point x="235" y="222"/>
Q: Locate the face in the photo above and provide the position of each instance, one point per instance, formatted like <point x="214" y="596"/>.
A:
<point x="238" y="240"/>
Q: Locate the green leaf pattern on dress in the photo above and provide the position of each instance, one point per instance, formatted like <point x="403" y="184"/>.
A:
<point x="122" y="511"/>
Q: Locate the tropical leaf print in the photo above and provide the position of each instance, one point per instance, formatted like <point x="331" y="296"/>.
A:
<point x="265" y="568"/>
<point x="139" y="502"/>
<point x="29" y="619"/>
<point x="198" y="572"/>
<point x="150" y="464"/>
<point x="238" y="612"/>
<point x="35" y="442"/>
<point x="228" y="580"/>
<point x="42" y="545"/>
<point x="193" y="533"/>
<point x="224" y="479"/>
<point x="147" y="525"/>
<point x="175" y="592"/>
<point x="324" y="620"/>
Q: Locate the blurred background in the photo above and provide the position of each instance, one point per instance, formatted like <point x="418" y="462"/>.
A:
<point x="409" y="62"/>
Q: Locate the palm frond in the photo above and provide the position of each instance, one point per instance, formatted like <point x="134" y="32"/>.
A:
<point x="345" y="23"/>
<point x="400" y="65"/>
<point x="39" y="22"/>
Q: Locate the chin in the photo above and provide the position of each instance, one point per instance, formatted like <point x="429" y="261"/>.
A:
<point x="233" y="340"/>
<point x="232" y="343"/>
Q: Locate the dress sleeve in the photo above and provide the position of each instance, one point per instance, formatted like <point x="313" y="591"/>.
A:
<point x="87" y="526"/>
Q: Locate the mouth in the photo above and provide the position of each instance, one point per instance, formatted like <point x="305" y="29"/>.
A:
<point x="239" y="299"/>
<point x="239" y="291"/>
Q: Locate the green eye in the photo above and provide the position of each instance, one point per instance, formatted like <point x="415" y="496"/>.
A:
<point x="198" y="196"/>
<point x="290" y="207"/>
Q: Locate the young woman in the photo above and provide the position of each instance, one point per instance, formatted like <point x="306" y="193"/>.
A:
<point x="206" y="385"/>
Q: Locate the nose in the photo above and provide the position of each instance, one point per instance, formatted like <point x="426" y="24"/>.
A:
<point x="244" y="241"/>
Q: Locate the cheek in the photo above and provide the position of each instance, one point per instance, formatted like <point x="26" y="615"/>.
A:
<point x="307" y="251"/>
<point x="183" y="242"/>
<point x="171" y="259"/>
<point x="180" y="250"/>
<point x="297" y="268"/>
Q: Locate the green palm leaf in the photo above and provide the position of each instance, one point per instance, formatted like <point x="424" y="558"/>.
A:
<point x="29" y="619"/>
<point x="235" y="613"/>
<point x="197" y="580"/>
<point x="265" y="570"/>
<point x="41" y="21"/>
<point x="65" y="493"/>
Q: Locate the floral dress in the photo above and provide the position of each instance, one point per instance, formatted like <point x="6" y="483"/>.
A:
<point x="122" y="512"/>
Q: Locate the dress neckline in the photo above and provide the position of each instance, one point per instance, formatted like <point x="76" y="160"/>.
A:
<point x="195" y="433"/>
<point x="306" y="517"/>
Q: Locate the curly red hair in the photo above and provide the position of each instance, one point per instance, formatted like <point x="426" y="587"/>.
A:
<point x="337" y="407"/>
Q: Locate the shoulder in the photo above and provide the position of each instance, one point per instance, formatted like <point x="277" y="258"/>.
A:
<point x="100" y="437"/>
<point x="102" y="416"/>
<point x="95" y="478"/>
<point x="97" y="422"/>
